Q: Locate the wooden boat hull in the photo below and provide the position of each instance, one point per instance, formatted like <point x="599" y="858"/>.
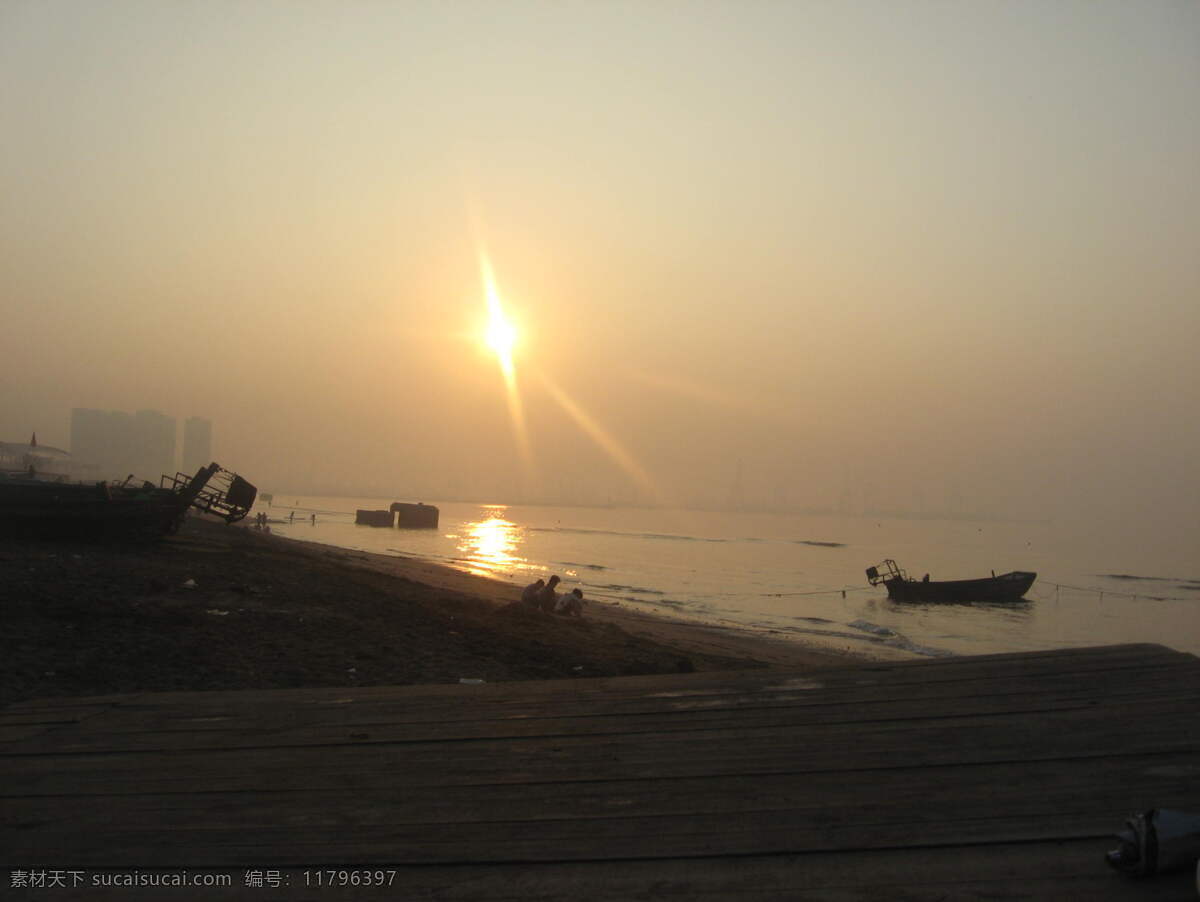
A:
<point x="73" y="510"/>
<point x="1005" y="587"/>
<point x="37" y="508"/>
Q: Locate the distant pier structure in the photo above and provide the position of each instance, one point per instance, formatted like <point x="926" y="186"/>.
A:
<point x="404" y="516"/>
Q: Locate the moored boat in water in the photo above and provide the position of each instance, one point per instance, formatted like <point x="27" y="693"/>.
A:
<point x="1005" y="587"/>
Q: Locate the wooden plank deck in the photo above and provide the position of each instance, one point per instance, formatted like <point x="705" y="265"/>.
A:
<point x="996" y="777"/>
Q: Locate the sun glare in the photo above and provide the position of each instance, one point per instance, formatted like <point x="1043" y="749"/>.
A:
<point x="603" y="439"/>
<point x="490" y="544"/>
<point x="501" y="334"/>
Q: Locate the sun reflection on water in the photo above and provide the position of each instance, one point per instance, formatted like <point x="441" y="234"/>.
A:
<point x="490" y="545"/>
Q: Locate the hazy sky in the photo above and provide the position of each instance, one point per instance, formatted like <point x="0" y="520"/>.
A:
<point x="941" y="254"/>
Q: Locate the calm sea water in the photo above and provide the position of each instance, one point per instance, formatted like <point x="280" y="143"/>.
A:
<point x="802" y="576"/>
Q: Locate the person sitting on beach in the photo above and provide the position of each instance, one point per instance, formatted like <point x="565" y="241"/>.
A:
<point x="547" y="598"/>
<point x="529" y="597"/>
<point x="570" y="604"/>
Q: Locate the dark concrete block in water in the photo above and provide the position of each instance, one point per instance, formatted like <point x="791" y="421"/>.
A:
<point x="373" y="518"/>
<point x="416" y="516"/>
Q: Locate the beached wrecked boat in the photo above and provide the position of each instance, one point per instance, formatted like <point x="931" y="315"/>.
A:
<point x="35" y="507"/>
<point x="1005" y="587"/>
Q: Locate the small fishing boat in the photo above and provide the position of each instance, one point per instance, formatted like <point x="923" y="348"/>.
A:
<point x="1005" y="587"/>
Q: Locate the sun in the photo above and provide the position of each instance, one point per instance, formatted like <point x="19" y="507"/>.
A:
<point x="501" y="334"/>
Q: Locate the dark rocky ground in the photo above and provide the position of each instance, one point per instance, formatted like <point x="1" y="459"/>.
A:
<point x="93" y="619"/>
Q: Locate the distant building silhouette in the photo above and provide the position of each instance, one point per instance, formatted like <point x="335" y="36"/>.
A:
<point x="197" y="444"/>
<point x="154" y="445"/>
<point x="112" y="444"/>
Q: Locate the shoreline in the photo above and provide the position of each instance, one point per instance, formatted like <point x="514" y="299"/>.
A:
<point x="698" y="635"/>
<point x="217" y="607"/>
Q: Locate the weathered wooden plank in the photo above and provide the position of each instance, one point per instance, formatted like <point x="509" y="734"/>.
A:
<point x="72" y="714"/>
<point x="1171" y="717"/>
<point x="57" y="702"/>
<point x="892" y="736"/>
<point x="630" y="786"/>
<point x="682" y="714"/>
<point x="12" y="734"/>
<point x="1041" y="790"/>
<point x="1167" y="716"/>
<point x="472" y="719"/>
<point x="630" y="838"/>
<point x="360" y="774"/>
<point x="248" y="732"/>
<point x="1069" y="870"/>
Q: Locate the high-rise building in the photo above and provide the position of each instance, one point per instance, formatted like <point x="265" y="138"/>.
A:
<point x="154" y="445"/>
<point x="197" y="444"/>
<point x="112" y="444"/>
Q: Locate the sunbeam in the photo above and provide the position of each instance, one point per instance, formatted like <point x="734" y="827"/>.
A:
<point x="501" y="336"/>
<point x="601" y="437"/>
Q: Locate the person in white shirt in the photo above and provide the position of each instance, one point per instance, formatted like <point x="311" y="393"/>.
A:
<point x="570" y="603"/>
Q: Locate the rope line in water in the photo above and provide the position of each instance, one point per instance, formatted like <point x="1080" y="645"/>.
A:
<point x="818" y="592"/>
<point x="1041" y="585"/>
<point x="1102" y="592"/>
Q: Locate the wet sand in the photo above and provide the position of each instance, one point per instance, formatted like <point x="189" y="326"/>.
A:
<point x="219" y="607"/>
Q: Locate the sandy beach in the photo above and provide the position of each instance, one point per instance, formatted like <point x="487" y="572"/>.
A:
<point x="219" y="607"/>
